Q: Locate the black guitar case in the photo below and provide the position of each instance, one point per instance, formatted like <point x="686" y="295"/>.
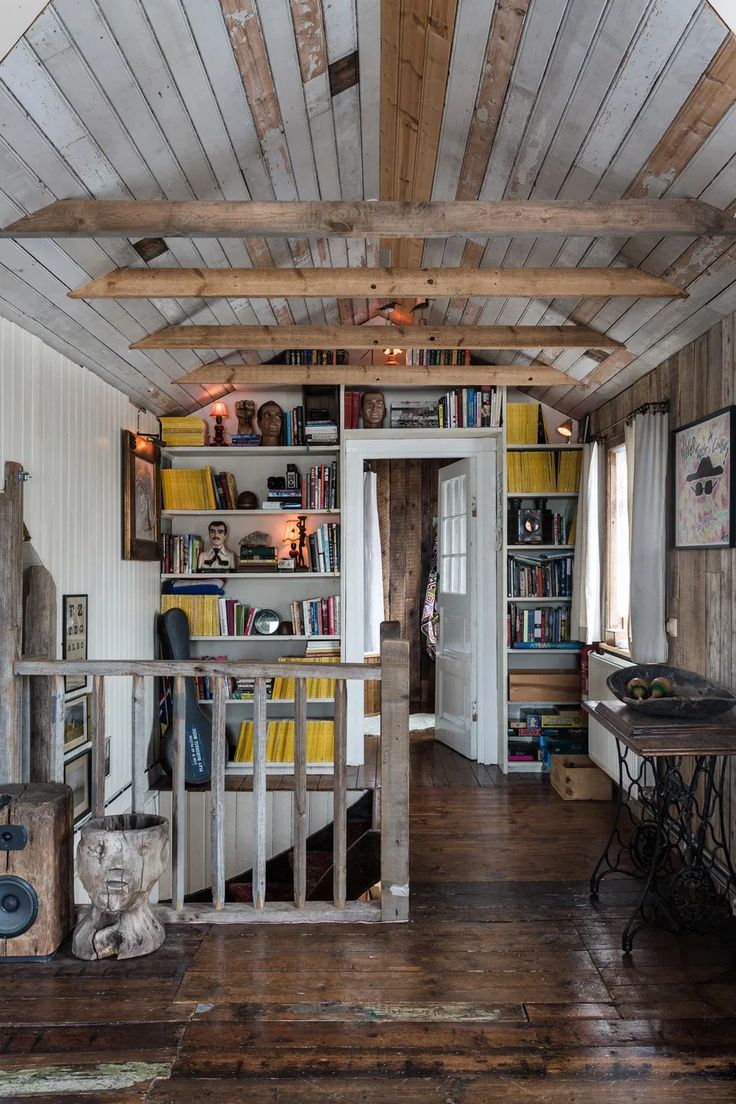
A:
<point x="173" y="634"/>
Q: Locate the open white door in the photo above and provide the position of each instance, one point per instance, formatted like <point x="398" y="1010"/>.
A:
<point x="456" y="720"/>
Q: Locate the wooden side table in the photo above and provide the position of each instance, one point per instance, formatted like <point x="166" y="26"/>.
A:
<point x="669" y="825"/>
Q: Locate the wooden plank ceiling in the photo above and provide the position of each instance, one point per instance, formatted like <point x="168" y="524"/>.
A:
<point x="356" y="99"/>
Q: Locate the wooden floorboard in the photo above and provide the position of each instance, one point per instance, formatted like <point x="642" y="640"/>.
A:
<point x="507" y="985"/>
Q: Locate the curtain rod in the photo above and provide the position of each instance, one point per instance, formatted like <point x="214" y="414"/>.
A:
<point x="661" y="407"/>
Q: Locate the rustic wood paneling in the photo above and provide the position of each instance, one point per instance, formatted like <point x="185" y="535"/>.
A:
<point x="700" y="585"/>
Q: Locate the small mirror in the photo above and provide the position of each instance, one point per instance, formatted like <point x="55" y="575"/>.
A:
<point x="266" y="622"/>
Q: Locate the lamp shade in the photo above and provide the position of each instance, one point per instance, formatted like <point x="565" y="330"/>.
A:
<point x="218" y="410"/>
<point x="393" y="355"/>
<point x="565" y="429"/>
<point x="291" y="532"/>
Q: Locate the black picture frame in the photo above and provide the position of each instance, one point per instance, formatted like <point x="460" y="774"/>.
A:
<point x="141" y="497"/>
<point x="74" y="619"/>
<point x="78" y="775"/>
<point x="703" y="481"/>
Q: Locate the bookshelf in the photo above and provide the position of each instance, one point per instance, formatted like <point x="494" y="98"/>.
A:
<point x="250" y="468"/>
<point x="541" y="496"/>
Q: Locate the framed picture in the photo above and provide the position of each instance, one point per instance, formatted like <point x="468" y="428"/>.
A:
<point x="703" y="482"/>
<point x="74" y="640"/>
<point x="78" y="775"/>
<point x="141" y="497"/>
<point x="76" y="722"/>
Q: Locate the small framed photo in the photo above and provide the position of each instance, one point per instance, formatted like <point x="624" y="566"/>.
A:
<point x="78" y="775"/>
<point x="703" y="472"/>
<point x="74" y="640"/>
<point x="141" y="497"/>
<point x="76" y="722"/>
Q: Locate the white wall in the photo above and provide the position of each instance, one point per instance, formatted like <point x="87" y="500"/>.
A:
<point x="63" y="424"/>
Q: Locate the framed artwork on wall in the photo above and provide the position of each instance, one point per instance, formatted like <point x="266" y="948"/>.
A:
<point x="76" y="722"/>
<point x="141" y="497"/>
<point x="74" y="640"/>
<point x="703" y="471"/>
<point x="78" y="775"/>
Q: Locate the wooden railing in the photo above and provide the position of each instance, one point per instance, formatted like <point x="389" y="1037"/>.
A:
<point x="393" y="673"/>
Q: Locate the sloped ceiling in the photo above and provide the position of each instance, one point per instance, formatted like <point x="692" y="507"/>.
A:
<point x="288" y="99"/>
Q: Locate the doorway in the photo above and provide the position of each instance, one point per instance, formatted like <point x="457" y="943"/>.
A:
<point x="459" y="489"/>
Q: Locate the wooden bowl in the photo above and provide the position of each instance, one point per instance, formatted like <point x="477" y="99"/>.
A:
<point x="694" y="697"/>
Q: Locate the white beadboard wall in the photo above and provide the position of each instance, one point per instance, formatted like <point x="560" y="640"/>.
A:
<point x="63" y="424"/>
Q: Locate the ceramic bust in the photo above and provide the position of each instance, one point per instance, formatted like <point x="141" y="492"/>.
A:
<point x="217" y="556"/>
<point x="245" y="410"/>
<point x="270" y="423"/>
<point x="373" y="409"/>
<point x="119" y="860"/>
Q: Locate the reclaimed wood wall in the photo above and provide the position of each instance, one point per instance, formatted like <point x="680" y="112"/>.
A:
<point x="700" y="585"/>
<point x="407" y="505"/>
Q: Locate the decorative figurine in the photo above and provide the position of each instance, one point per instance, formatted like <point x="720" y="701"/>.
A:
<point x="245" y="410"/>
<point x="270" y="423"/>
<point x="119" y="860"/>
<point x="373" y="409"/>
<point x="217" y="557"/>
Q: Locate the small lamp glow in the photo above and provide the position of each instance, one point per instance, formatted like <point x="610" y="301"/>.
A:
<point x="392" y="355"/>
<point x="295" y="534"/>
<point x="565" y="429"/>
<point x="218" y="411"/>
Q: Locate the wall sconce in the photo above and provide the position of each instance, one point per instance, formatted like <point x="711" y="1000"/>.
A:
<point x="218" y="411"/>
<point x="295" y="534"/>
<point x="565" y="429"/>
<point x="393" y="356"/>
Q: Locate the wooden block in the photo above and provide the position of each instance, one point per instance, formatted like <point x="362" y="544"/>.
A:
<point x="552" y="686"/>
<point x="44" y="810"/>
<point x="576" y="778"/>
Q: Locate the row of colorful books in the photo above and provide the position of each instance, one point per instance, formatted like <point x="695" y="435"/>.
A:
<point x="548" y="625"/>
<point x="546" y="577"/>
<point x="281" y="688"/>
<point x="315" y="356"/>
<point x="324" y="547"/>
<point x="198" y="489"/>
<point x="316" y="616"/>
<point x="445" y="357"/>
<point x="319" y="487"/>
<point x="470" y="408"/>
<point x="179" y="554"/>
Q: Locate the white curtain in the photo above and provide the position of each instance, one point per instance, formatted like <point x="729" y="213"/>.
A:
<point x="646" y="467"/>
<point x="587" y="576"/>
<point x="372" y="567"/>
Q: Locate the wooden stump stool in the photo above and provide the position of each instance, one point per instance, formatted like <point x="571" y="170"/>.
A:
<point x="119" y="860"/>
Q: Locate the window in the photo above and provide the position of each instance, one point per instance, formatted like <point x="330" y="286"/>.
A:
<point x="617" y="549"/>
<point x="453" y="551"/>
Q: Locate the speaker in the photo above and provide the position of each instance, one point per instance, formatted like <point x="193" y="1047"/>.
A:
<point x="36" y="869"/>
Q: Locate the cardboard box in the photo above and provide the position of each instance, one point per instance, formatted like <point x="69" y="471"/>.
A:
<point x="577" y="778"/>
<point x="551" y="686"/>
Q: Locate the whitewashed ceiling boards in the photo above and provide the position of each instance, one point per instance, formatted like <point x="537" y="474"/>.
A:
<point x="350" y="100"/>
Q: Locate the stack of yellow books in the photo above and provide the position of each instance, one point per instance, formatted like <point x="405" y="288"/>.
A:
<point x="202" y="611"/>
<point x="321" y="689"/>
<point x="568" y="473"/>
<point x="531" y="472"/>
<point x="188" y="489"/>
<point x="522" y="421"/>
<point x="183" y="431"/>
<point x="280" y="742"/>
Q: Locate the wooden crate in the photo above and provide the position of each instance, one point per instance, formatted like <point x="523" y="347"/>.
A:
<point x="577" y="778"/>
<point x="540" y="686"/>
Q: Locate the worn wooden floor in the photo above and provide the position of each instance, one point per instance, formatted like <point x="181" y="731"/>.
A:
<point x="507" y="986"/>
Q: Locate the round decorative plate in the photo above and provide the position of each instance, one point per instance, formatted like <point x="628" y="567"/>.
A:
<point x="694" y="697"/>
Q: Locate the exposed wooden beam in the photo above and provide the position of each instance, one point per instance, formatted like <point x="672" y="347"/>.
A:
<point x="112" y="218"/>
<point x="526" y="375"/>
<point x="367" y="337"/>
<point x="182" y="283"/>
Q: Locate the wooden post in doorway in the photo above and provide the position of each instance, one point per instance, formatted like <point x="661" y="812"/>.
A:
<point x="11" y="622"/>
<point x="394" y="775"/>
<point x="39" y="642"/>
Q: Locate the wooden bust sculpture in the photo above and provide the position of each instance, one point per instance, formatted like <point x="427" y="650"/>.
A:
<point x="270" y="423"/>
<point x="245" y="410"/>
<point x="373" y="409"/>
<point x="119" y="860"/>
<point x="217" y="556"/>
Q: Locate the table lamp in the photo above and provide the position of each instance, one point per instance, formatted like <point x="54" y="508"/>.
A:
<point x="295" y="534"/>
<point x="218" y="411"/>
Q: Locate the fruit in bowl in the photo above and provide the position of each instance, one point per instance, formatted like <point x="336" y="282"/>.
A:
<point x="638" y="689"/>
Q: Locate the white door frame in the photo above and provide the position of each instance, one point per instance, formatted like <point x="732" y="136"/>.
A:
<point x="416" y="445"/>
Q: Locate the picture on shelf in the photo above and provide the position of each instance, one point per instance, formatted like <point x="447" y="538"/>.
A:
<point x="78" y="775"/>
<point x="74" y="639"/>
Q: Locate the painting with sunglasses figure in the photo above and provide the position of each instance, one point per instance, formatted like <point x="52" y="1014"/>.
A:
<point x="703" y="466"/>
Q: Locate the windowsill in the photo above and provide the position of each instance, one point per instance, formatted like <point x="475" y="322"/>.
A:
<point x="612" y="649"/>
